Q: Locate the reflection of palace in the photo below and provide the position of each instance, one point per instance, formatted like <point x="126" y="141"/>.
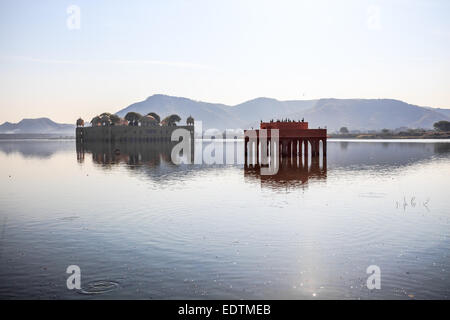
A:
<point x="292" y="172"/>
<point x="150" y="154"/>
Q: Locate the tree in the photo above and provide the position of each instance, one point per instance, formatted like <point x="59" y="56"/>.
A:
<point x="105" y="120"/>
<point x="171" y="120"/>
<point x="115" y="119"/>
<point x="154" y="115"/>
<point x="95" y="121"/>
<point x="385" y="131"/>
<point x="132" y="118"/>
<point x="442" y="126"/>
<point x="343" y="130"/>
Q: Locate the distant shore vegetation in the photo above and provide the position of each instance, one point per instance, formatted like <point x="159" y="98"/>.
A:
<point x="441" y="131"/>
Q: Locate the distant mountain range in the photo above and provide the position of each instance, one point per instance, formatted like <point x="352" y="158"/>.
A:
<point x="37" y="126"/>
<point x="355" y="114"/>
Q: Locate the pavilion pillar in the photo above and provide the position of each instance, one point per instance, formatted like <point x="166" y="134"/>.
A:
<point x="315" y="164"/>
<point x="282" y="144"/>
<point x="246" y="151"/>
<point x="279" y="149"/>
<point x="300" y="145"/>
<point x="313" y="147"/>
<point x="318" y="147"/>
<point x="257" y="148"/>
<point x="289" y="150"/>
<point x="269" y="149"/>
<point x="294" y="148"/>
<point x="306" y="151"/>
<point x="324" y="146"/>
<point x="317" y="143"/>
<point x="251" y="151"/>
<point x="290" y="147"/>
<point x="264" y="151"/>
<point x="295" y="151"/>
<point x="286" y="148"/>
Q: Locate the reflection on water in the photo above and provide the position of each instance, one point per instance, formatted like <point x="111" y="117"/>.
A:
<point x="290" y="174"/>
<point x="35" y="149"/>
<point x="140" y="226"/>
<point x="149" y="154"/>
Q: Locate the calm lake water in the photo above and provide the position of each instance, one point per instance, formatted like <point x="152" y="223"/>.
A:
<point x="140" y="227"/>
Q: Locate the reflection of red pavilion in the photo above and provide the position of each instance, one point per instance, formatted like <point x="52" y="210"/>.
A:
<point x="295" y="139"/>
<point x="291" y="174"/>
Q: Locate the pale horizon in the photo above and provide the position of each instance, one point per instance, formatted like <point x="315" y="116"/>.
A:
<point x="57" y="64"/>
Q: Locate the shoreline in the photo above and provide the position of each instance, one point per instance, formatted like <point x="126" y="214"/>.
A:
<point x="376" y="136"/>
<point x="425" y="136"/>
<point x="35" y="136"/>
<point x="332" y="139"/>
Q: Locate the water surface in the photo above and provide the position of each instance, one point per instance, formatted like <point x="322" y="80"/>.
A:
<point x="140" y="227"/>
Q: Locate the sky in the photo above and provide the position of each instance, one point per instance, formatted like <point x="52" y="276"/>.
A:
<point x="66" y="59"/>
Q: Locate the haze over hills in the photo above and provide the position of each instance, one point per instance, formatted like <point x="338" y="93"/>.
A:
<point x="443" y="111"/>
<point x="370" y="114"/>
<point x="356" y="114"/>
<point x="266" y="108"/>
<point x="37" y="126"/>
<point x="212" y="115"/>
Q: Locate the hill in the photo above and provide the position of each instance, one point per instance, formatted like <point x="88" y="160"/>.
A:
<point x="356" y="114"/>
<point x="37" y="126"/>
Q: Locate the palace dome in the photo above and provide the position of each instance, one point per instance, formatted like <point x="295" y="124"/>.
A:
<point x="80" y="122"/>
<point x="105" y="119"/>
<point x="148" y="120"/>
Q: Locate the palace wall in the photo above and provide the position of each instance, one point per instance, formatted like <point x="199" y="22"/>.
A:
<point x="128" y="133"/>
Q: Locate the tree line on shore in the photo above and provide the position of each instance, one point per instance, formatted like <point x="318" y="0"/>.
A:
<point x="439" y="128"/>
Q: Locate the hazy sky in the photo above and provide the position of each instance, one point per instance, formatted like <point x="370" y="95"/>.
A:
<point x="218" y="51"/>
